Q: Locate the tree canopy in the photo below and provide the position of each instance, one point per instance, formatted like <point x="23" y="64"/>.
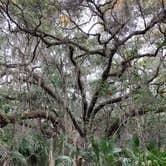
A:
<point x="84" y="67"/>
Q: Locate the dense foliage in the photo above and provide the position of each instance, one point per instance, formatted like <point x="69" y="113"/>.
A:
<point x="82" y="82"/>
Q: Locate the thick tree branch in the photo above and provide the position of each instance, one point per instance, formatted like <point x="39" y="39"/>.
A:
<point x="125" y="64"/>
<point x="110" y="101"/>
<point x="104" y="77"/>
<point x="123" y="119"/>
<point x="156" y="19"/>
<point x="7" y="119"/>
<point x="79" y="82"/>
<point x="52" y="93"/>
<point x="48" y="39"/>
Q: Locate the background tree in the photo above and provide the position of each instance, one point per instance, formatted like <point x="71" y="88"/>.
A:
<point x="84" y="67"/>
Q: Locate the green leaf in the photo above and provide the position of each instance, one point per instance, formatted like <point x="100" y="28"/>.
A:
<point x="63" y="160"/>
<point x="95" y="147"/>
<point x="56" y="80"/>
<point x="104" y="88"/>
<point x="161" y="44"/>
<point x="135" y="143"/>
<point x="18" y="158"/>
